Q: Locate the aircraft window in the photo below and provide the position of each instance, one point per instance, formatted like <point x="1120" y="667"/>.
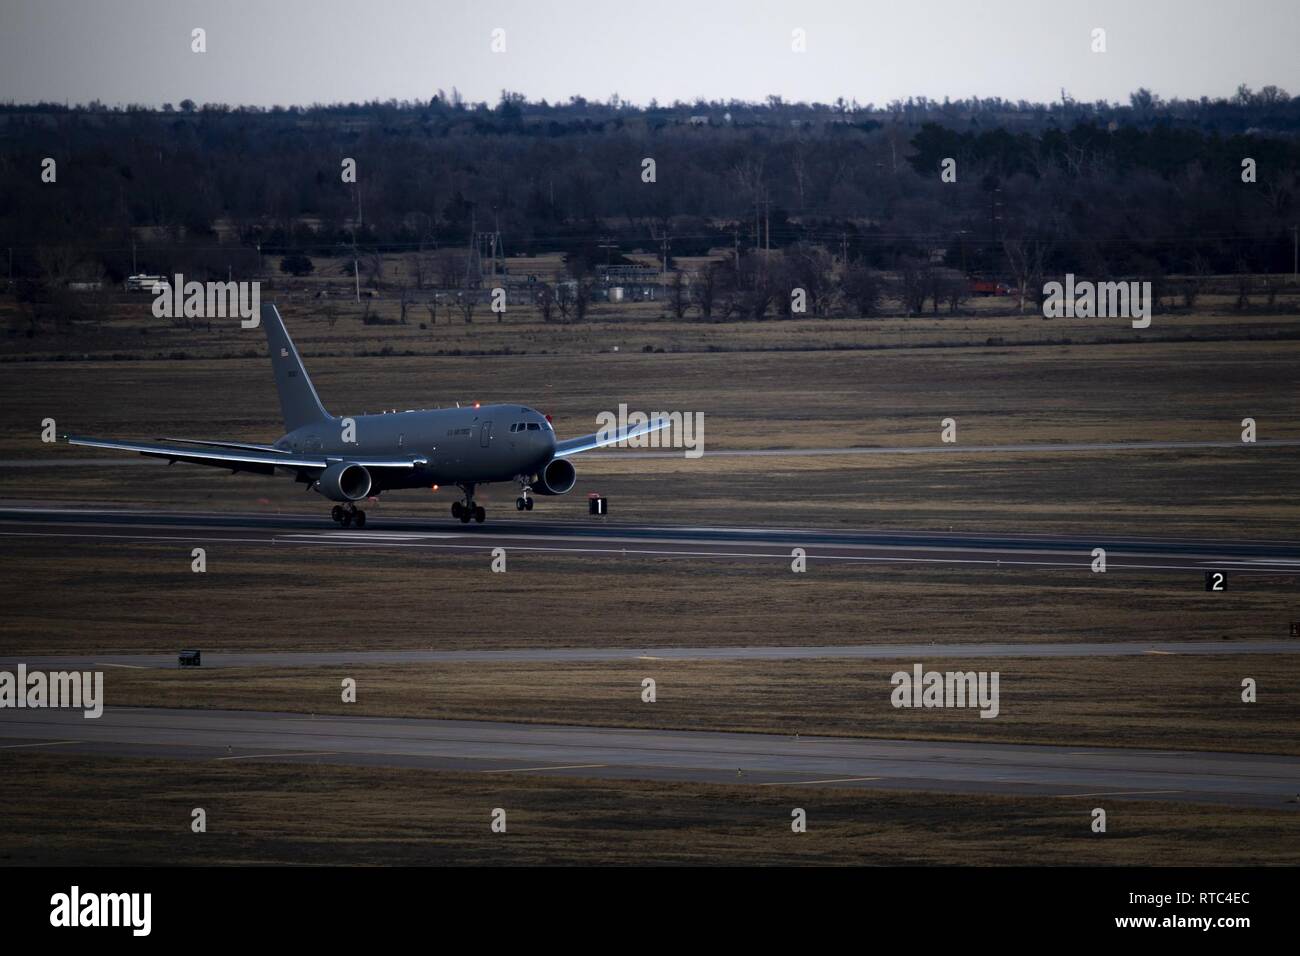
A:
<point x="514" y="428"/>
<point x="533" y="427"/>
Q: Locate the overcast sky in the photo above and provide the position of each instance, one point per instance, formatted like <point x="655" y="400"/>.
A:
<point x="293" y="51"/>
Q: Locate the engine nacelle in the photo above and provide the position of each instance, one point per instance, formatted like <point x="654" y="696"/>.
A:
<point x="557" y="478"/>
<point x="344" y="481"/>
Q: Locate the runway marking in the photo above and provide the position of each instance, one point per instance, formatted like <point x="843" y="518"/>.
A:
<point x="1081" y="562"/>
<point x="1166" y="653"/>
<point x="46" y="743"/>
<point x="806" y="783"/>
<point x="1118" y="793"/>
<point x="198" y="535"/>
<point x="572" y="766"/>
<point x="134" y="667"/>
<point x="309" y="753"/>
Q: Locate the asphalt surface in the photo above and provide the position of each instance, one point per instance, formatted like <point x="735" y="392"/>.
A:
<point x="610" y="538"/>
<point x="910" y="652"/>
<point x="761" y="760"/>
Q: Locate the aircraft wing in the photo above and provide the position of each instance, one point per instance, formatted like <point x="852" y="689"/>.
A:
<point x="572" y="446"/>
<point x="245" y="458"/>
<point x="242" y="446"/>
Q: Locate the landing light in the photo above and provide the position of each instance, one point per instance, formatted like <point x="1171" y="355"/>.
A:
<point x="476" y="404"/>
<point x="433" y="487"/>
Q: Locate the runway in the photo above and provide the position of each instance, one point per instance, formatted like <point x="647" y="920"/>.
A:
<point x="605" y="538"/>
<point x="909" y="652"/>
<point x="755" y="760"/>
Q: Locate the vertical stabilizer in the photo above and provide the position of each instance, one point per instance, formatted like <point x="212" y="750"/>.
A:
<point x="299" y="402"/>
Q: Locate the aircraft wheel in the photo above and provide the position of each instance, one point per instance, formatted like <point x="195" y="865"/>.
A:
<point x="520" y="504"/>
<point x="464" y="516"/>
<point x="360" y="518"/>
<point x="480" y="513"/>
<point x="528" y="504"/>
<point x="337" y="512"/>
<point x="347" y="519"/>
<point x="456" y="509"/>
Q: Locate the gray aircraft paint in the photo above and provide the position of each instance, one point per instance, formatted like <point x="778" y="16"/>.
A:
<point x="410" y="449"/>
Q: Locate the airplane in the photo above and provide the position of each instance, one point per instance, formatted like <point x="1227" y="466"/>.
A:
<point x="350" y="458"/>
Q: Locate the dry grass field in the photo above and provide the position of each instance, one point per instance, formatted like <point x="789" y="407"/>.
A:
<point x="1183" y="703"/>
<point x="79" y="811"/>
<point x="67" y="596"/>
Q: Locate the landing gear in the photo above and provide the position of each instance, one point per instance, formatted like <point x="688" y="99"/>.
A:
<point x="466" y="510"/>
<point x="525" y="500"/>
<point x="347" y="515"/>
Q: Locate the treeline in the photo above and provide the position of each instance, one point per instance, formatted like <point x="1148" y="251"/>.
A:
<point x="1091" y="188"/>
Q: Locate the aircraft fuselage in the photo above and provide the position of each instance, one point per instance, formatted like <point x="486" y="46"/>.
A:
<point x="461" y="444"/>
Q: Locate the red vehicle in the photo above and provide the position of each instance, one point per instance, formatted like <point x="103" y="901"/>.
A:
<point x="989" y="287"/>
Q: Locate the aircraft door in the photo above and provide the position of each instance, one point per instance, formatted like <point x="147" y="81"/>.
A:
<point x="485" y="435"/>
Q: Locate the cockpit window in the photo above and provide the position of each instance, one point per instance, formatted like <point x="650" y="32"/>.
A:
<point x="534" y="427"/>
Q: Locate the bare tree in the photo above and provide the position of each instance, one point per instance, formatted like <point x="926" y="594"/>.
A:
<point x="862" y="288"/>
<point x="704" y="289"/>
<point x="467" y="301"/>
<point x="1025" y="259"/>
<point x="679" y="295"/>
<point x="403" y="300"/>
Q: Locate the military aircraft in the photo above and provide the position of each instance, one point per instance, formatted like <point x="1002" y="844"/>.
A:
<point x="350" y="458"/>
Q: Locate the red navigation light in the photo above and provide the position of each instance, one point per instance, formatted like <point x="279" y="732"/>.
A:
<point x="433" y="487"/>
<point x="549" y="419"/>
<point x="476" y="404"/>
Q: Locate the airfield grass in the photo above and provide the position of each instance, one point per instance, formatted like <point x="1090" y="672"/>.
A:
<point x="64" y="810"/>
<point x="1170" y="702"/>
<point x="72" y="596"/>
<point x="325" y="319"/>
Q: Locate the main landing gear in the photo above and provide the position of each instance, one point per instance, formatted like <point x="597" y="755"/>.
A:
<point x="466" y="510"/>
<point x="348" y="515"/>
<point x="525" y="500"/>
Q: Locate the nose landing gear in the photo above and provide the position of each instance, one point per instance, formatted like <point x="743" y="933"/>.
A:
<point x="525" y="500"/>
<point x="347" y="515"/>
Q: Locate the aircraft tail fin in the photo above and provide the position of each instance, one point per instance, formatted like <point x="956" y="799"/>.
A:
<point x="298" y="399"/>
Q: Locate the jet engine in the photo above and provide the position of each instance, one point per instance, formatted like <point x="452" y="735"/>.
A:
<point x="344" y="481"/>
<point x="557" y="478"/>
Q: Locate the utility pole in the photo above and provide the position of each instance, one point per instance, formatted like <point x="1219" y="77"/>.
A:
<point x="356" y="266"/>
<point x="663" y="276"/>
<point x="767" y="228"/>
